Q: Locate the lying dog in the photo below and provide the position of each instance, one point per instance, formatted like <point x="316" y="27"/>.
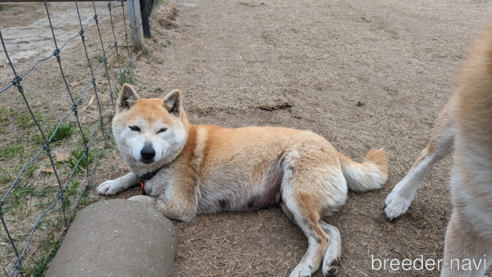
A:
<point x="198" y="169"/>
<point x="465" y="124"/>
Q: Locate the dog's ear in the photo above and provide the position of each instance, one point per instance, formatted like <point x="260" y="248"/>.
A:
<point x="172" y="102"/>
<point x="127" y="98"/>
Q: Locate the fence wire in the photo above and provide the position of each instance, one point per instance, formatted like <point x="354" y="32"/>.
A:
<point x="17" y="268"/>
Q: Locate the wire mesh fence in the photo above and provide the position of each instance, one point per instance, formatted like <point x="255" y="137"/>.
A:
<point x="42" y="193"/>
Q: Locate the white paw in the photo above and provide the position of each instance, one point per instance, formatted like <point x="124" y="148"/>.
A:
<point x="110" y="187"/>
<point x="329" y="267"/>
<point x="301" y="270"/>
<point x="330" y="260"/>
<point x="396" y="204"/>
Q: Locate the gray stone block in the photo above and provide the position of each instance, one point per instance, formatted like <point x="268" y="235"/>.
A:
<point x="117" y="238"/>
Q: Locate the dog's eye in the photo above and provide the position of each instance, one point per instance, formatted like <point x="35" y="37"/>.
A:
<point x="135" y="128"/>
<point x="161" y="130"/>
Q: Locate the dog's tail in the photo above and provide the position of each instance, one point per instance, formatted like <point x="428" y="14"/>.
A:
<point x="372" y="173"/>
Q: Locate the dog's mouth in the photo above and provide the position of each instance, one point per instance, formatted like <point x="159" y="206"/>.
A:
<point x="147" y="161"/>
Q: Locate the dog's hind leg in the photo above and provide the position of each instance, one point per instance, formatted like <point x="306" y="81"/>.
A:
<point x="334" y="249"/>
<point x="303" y="213"/>
<point x="440" y="145"/>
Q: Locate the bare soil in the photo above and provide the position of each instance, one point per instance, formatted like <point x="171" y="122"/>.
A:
<point x="364" y="74"/>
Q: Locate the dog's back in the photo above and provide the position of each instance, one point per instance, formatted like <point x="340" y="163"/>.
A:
<point x="469" y="234"/>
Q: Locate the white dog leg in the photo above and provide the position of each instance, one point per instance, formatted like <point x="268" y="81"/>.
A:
<point x="317" y="239"/>
<point x="112" y="187"/>
<point x="440" y="145"/>
<point x="334" y="249"/>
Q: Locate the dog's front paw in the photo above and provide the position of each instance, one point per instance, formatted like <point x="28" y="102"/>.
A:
<point x="110" y="187"/>
<point x="396" y="204"/>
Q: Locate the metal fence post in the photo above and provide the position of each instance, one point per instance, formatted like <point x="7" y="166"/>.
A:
<point x="136" y="21"/>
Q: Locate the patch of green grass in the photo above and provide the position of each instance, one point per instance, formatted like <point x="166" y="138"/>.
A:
<point x="5" y="179"/>
<point x="24" y="120"/>
<point x="84" y="201"/>
<point x="87" y="134"/>
<point x="148" y="53"/>
<point x="38" y="265"/>
<point x="11" y="150"/>
<point x="42" y="119"/>
<point x="158" y="90"/>
<point x="31" y="168"/>
<point x="4" y="271"/>
<point x="70" y="191"/>
<point x="72" y="188"/>
<point x="62" y="133"/>
<point x="168" y="43"/>
<point x="127" y="77"/>
<point x="17" y="197"/>
<point x="44" y="192"/>
<point x="75" y="157"/>
<point x="4" y="8"/>
<point x="38" y="139"/>
<point x="100" y="59"/>
<point x="3" y="113"/>
<point x="99" y="152"/>
<point x="66" y="202"/>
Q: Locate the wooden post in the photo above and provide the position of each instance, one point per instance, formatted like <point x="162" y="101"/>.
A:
<point x="136" y="20"/>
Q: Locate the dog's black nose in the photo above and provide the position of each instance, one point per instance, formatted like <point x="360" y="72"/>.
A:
<point x="147" y="153"/>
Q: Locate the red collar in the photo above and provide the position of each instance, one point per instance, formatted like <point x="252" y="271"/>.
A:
<point x="143" y="188"/>
<point x="144" y="177"/>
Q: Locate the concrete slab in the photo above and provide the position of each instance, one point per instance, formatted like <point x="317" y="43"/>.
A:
<point x="117" y="238"/>
<point x="35" y="40"/>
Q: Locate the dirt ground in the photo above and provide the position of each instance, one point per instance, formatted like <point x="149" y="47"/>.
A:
<point x="397" y="58"/>
<point x="363" y="74"/>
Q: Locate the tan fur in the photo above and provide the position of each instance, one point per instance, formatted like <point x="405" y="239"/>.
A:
<point x="207" y="169"/>
<point x="465" y="124"/>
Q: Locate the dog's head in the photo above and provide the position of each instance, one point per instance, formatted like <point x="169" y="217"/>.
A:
<point x="149" y="132"/>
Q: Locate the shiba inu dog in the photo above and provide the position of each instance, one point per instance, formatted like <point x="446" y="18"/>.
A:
<point x="188" y="169"/>
<point x="464" y="125"/>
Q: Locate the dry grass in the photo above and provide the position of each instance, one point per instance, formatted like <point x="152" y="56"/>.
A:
<point x="49" y="100"/>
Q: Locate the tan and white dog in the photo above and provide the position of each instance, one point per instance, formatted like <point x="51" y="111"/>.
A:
<point x="200" y="169"/>
<point x="464" y="125"/>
